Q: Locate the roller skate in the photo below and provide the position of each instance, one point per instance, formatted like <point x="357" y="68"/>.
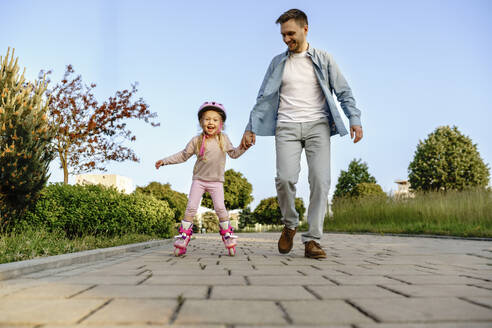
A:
<point x="182" y="240"/>
<point x="229" y="239"/>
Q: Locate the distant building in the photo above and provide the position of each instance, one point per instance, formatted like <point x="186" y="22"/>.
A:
<point x="121" y="183"/>
<point x="403" y="189"/>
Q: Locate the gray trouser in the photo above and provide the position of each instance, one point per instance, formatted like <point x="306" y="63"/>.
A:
<point x="290" y="139"/>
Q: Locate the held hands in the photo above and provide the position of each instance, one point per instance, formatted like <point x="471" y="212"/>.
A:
<point x="356" y="130"/>
<point x="158" y="164"/>
<point x="249" y="139"/>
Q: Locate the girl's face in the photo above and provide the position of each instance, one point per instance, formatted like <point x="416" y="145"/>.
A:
<point x="211" y="122"/>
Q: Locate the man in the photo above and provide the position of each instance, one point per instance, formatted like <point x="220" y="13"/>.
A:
<point x="295" y="104"/>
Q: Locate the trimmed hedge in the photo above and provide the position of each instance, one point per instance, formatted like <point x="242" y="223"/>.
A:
<point x="98" y="210"/>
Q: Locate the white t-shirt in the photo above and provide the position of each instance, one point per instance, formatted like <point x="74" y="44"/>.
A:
<point x="301" y="98"/>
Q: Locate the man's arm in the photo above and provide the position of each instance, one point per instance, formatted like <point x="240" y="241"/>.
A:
<point x="347" y="101"/>
<point x="343" y="92"/>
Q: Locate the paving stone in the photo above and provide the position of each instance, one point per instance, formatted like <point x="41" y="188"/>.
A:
<point x="230" y="312"/>
<point x="434" y="279"/>
<point x="261" y="293"/>
<point x="483" y="300"/>
<point x="428" y="325"/>
<point x="363" y="280"/>
<point x="323" y="312"/>
<point x="441" y="290"/>
<point x="128" y="311"/>
<point x="289" y="280"/>
<point x="194" y="272"/>
<point x="143" y="325"/>
<point x="31" y="311"/>
<point x="296" y="326"/>
<point x="281" y="290"/>
<point x="50" y="290"/>
<point x="423" y="309"/>
<point x="267" y="272"/>
<point x="200" y="280"/>
<point x="102" y="280"/>
<point x="346" y="292"/>
<point x="142" y="291"/>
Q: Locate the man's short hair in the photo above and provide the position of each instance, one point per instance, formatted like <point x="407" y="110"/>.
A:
<point x="299" y="16"/>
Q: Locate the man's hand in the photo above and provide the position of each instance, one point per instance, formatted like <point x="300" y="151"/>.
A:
<point x="158" y="164"/>
<point x="249" y="139"/>
<point x="356" y="130"/>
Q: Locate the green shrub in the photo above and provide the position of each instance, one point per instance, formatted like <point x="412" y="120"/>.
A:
<point x="368" y="189"/>
<point x="210" y="221"/>
<point x="97" y="210"/>
<point x="176" y="200"/>
<point x="268" y="211"/>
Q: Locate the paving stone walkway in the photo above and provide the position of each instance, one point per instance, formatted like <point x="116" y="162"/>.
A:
<point x="367" y="281"/>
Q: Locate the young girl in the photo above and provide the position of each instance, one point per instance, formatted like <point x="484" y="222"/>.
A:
<point x="208" y="174"/>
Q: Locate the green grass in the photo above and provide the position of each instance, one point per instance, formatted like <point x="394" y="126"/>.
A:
<point x="465" y="214"/>
<point x="29" y="244"/>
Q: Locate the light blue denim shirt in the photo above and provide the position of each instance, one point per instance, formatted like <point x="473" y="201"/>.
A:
<point x="263" y="116"/>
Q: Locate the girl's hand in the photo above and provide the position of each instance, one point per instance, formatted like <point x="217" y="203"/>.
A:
<point x="158" y="164"/>
<point x="248" y="140"/>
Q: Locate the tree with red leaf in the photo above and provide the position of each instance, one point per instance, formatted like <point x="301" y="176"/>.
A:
<point x="91" y="134"/>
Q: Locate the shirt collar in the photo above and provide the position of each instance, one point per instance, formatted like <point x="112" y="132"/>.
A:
<point x="310" y="51"/>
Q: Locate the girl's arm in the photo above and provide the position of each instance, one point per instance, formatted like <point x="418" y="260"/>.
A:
<point x="232" y="151"/>
<point x="180" y="157"/>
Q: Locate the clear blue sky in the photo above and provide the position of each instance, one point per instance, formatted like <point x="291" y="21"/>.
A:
<point x="412" y="65"/>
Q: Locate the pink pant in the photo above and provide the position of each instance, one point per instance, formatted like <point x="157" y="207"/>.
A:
<point x="216" y="191"/>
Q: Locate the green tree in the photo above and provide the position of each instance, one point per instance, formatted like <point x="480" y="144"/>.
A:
<point x="357" y="172"/>
<point x="237" y="191"/>
<point x="176" y="200"/>
<point x="25" y="137"/>
<point x="210" y="221"/>
<point x="246" y="218"/>
<point x="447" y="160"/>
<point x="268" y="211"/>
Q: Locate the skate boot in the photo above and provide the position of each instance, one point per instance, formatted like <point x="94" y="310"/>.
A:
<point x="229" y="239"/>
<point x="182" y="240"/>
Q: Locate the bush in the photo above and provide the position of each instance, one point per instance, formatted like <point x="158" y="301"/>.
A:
<point x="246" y="218"/>
<point x="176" y="200"/>
<point x="268" y="211"/>
<point x="210" y="221"/>
<point x="368" y="189"/>
<point x="447" y="160"/>
<point x="97" y="210"/>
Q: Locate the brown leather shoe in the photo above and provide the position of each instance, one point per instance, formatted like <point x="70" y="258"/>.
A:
<point x="286" y="240"/>
<point x="313" y="250"/>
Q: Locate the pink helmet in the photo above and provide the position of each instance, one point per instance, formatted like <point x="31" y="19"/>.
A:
<point x="212" y="105"/>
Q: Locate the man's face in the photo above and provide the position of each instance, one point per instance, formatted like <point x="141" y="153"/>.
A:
<point x="293" y="35"/>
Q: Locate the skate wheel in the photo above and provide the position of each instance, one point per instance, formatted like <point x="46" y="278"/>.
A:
<point x="179" y="251"/>
<point x="232" y="251"/>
